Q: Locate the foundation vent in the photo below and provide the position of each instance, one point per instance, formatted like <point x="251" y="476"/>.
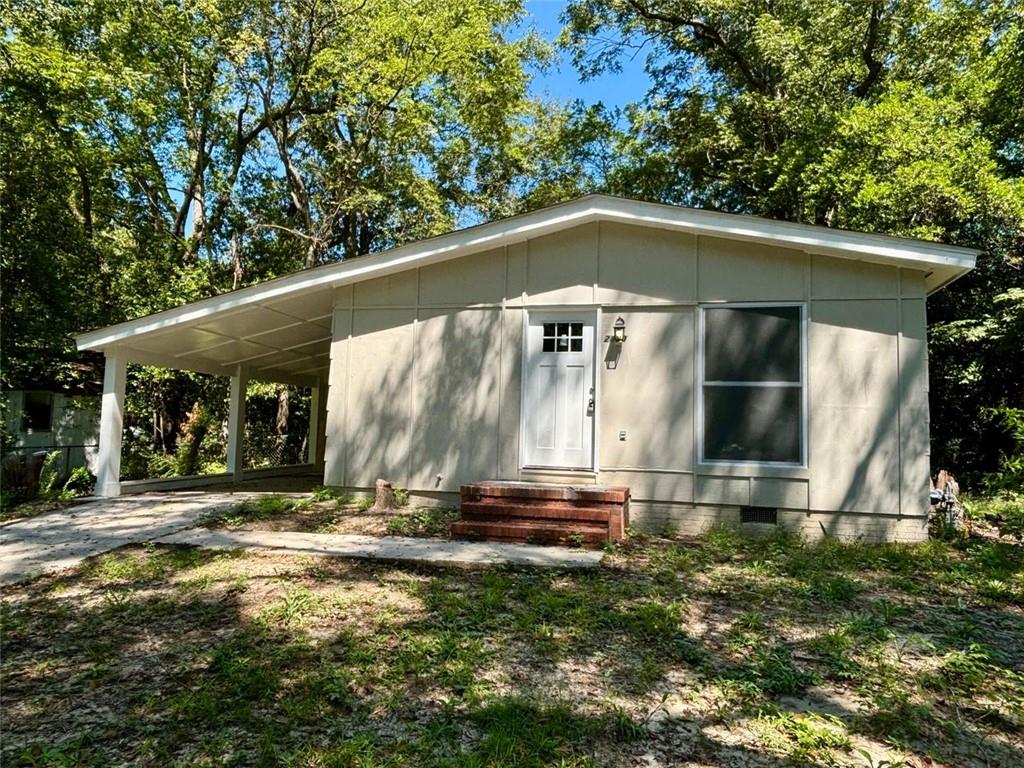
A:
<point x="763" y="515"/>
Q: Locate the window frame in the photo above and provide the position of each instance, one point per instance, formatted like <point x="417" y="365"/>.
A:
<point x="802" y="384"/>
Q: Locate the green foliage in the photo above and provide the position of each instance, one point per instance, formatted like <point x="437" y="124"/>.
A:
<point x="80" y="482"/>
<point x="902" y="118"/>
<point x="49" y="476"/>
<point x="158" y="153"/>
<point x="1004" y="509"/>
<point x="423" y="521"/>
<point x="807" y="738"/>
<point x="260" y="508"/>
<point x="326" y="493"/>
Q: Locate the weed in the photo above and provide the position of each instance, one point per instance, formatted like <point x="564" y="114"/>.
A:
<point x="771" y="670"/>
<point x="805" y="738"/>
<point x="423" y="521"/>
<point x="253" y="510"/>
<point x="326" y="493"/>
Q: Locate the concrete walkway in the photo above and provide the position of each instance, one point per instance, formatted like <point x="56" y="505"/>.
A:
<point x="441" y="551"/>
<point x="65" y="537"/>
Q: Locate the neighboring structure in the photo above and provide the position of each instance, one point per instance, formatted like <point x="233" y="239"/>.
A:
<point x="45" y="420"/>
<point x="723" y="367"/>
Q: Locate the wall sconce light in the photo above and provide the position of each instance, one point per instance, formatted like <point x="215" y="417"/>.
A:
<point x="619" y="330"/>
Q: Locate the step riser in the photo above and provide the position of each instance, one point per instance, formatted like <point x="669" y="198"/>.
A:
<point x="490" y="532"/>
<point x="550" y="493"/>
<point x="477" y="510"/>
<point x="512" y="501"/>
<point x="543" y="514"/>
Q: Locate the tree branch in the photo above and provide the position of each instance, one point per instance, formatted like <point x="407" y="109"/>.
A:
<point x="870" y="44"/>
<point x="706" y="34"/>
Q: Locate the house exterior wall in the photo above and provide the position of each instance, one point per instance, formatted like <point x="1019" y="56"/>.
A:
<point x="74" y="429"/>
<point x="426" y="369"/>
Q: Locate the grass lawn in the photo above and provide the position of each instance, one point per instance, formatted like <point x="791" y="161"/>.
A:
<point x="715" y="651"/>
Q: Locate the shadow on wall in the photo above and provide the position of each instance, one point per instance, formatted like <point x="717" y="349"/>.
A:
<point x="422" y="399"/>
<point x="434" y="401"/>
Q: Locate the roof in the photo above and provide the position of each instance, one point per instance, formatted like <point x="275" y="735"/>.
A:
<point x="282" y="327"/>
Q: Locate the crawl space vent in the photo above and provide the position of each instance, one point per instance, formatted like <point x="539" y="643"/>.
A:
<point x="765" y="515"/>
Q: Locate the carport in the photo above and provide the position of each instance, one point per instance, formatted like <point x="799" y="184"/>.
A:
<point x="261" y="333"/>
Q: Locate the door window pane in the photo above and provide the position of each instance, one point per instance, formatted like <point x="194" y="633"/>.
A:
<point x="562" y="337"/>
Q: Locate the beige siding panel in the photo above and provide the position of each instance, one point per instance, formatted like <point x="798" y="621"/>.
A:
<point x="343" y="296"/>
<point x="722" y="490"/>
<point x="337" y="439"/>
<point x="647" y="391"/>
<point x="511" y="394"/>
<point x="476" y="279"/>
<point x="732" y="270"/>
<point x="778" y="492"/>
<point x="398" y="290"/>
<point x="912" y="284"/>
<point x="380" y="395"/>
<point x="833" y="278"/>
<point x="643" y="265"/>
<point x="651" y="486"/>
<point x="455" y="398"/>
<point x="515" y="273"/>
<point x="914" y="446"/>
<point x="562" y="267"/>
<point x="854" y="413"/>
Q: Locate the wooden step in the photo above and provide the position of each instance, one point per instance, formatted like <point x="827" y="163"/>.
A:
<point x="517" y="509"/>
<point x="533" y="532"/>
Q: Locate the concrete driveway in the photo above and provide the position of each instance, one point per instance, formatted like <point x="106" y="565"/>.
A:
<point x="64" y="538"/>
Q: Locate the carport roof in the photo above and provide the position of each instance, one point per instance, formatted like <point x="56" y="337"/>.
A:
<point x="281" y="329"/>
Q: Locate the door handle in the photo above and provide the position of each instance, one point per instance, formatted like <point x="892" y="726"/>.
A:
<point x="590" y="404"/>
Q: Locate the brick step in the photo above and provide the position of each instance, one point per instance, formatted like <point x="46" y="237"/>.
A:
<point x="515" y="509"/>
<point x="532" y="532"/>
<point x="544" y="491"/>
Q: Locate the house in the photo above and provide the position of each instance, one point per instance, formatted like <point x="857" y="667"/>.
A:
<point x="48" y="418"/>
<point x="724" y="368"/>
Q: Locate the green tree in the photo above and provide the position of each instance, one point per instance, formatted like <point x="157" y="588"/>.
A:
<point x="894" y="116"/>
<point x="156" y="152"/>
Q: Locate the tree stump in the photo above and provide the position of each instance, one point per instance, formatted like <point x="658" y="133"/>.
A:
<point x="384" y="500"/>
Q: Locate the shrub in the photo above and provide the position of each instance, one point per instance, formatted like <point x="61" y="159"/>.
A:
<point x="49" y="478"/>
<point x="1004" y="509"/>
<point x="80" y="482"/>
<point x="193" y="431"/>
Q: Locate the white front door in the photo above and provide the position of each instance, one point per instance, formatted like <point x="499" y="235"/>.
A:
<point x="559" y="397"/>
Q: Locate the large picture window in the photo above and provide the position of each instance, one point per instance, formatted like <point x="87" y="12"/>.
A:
<point x="752" y="387"/>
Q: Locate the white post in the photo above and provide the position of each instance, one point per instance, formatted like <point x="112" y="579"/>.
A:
<point x="236" y="423"/>
<point x="317" y="412"/>
<point x="108" y="462"/>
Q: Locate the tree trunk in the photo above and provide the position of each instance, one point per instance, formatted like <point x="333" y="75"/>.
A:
<point x="384" y="500"/>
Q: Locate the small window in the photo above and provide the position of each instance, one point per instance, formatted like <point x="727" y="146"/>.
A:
<point x="38" y="412"/>
<point x="563" y="337"/>
<point x="752" y="393"/>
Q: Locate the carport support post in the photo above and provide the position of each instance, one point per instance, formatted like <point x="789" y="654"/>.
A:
<point x="108" y="462"/>
<point x="317" y="414"/>
<point x="236" y="423"/>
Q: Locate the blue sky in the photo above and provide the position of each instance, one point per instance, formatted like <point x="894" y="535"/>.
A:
<point x="561" y="82"/>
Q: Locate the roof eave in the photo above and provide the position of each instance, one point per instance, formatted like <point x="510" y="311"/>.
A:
<point x="900" y="252"/>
